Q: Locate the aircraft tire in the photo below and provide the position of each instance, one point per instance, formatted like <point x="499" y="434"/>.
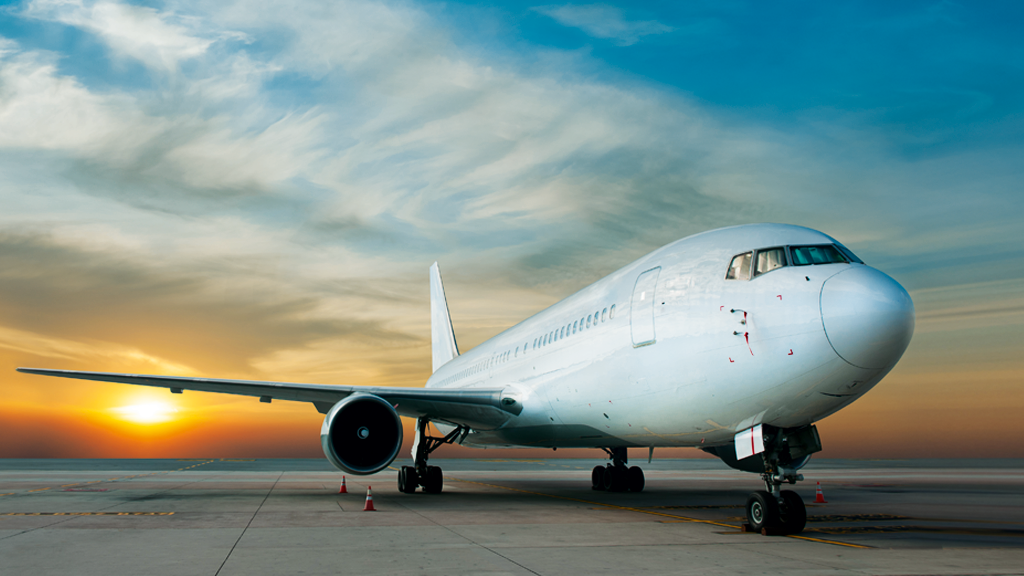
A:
<point x="614" y="479"/>
<point x="433" y="483"/>
<point x="408" y="480"/>
<point x="762" y="511"/>
<point x="635" y="479"/>
<point x="597" y="478"/>
<point x="792" y="513"/>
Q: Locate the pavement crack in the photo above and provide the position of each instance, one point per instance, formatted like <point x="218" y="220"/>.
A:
<point x="249" y="523"/>
<point x="467" y="538"/>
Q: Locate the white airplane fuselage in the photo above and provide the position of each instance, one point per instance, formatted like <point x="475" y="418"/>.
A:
<point x="681" y="356"/>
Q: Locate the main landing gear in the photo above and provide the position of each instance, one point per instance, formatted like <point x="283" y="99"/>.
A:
<point x="616" y="477"/>
<point x="420" y="474"/>
<point x="772" y="511"/>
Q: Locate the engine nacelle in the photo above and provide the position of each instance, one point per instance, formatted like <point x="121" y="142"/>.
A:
<point x="361" y="434"/>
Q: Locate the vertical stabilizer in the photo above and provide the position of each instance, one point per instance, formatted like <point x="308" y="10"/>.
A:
<point x="442" y="336"/>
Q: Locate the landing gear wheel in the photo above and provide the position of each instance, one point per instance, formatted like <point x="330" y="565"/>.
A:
<point x="597" y="478"/>
<point x="792" y="514"/>
<point x="635" y="479"/>
<point x="615" y="479"/>
<point x="408" y="480"/>
<point x="433" y="481"/>
<point x="762" y="511"/>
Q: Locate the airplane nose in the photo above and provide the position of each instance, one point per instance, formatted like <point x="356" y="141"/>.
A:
<point x="868" y="317"/>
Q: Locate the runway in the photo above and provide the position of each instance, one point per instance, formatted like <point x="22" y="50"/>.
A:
<point x="227" y="517"/>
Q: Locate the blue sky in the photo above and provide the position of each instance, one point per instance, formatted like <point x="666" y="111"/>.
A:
<point x="304" y="163"/>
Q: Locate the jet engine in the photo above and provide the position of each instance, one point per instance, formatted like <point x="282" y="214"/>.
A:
<point x="361" y="434"/>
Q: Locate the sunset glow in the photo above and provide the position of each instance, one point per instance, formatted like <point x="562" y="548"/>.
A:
<point x="146" y="413"/>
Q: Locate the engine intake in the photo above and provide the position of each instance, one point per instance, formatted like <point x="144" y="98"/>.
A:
<point x="361" y="434"/>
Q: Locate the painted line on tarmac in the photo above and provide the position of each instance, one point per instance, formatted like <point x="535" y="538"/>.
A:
<point x="651" y="512"/>
<point x="86" y="513"/>
<point x="109" y="479"/>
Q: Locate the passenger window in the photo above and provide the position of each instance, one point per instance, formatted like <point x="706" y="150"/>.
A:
<point x="611" y="312"/>
<point x="739" y="268"/>
<point x="768" y="260"/>
<point x="574" y="327"/>
<point x="823" y="254"/>
<point x="604" y="314"/>
<point x="561" y="333"/>
<point x="588" y="320"/>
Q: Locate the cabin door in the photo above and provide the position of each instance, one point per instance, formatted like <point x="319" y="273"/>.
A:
<point x="641" y="310"/>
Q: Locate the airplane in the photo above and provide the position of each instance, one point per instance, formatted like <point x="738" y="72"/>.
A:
<point x="734" y="341"/>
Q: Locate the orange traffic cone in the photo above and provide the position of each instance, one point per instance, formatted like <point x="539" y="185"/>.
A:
<point x="343" y="489"/>
<point x="369" y="501"/>
<point x="819" y="496"/>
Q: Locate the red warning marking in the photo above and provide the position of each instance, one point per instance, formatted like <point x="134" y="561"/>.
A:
<point x="790" y="352"/>
<point x="746" y="336"/>
<point x="780" y="296"/>
<point x="720" y="308"/>
<point x="752" y="450"/>
<point x="731" y="360"/>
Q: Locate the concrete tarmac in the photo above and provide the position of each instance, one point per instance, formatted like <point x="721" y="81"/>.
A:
<point x="227" y="517"/>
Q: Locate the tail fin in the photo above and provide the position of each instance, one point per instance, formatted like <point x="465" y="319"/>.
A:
<point x="442" y="336"/>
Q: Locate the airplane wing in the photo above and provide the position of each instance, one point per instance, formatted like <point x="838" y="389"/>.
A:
<point x="478" y="408"/>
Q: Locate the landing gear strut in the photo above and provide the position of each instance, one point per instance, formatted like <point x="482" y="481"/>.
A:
<point x="420" y="474"/>
<point x="772" y="511"/>
<point x="616" y="476"/>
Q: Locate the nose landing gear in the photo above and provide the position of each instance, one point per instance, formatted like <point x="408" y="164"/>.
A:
<point x="776" y="512"/>
<point x="616" y="476"/>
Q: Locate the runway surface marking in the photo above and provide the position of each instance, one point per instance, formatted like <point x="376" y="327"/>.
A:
<point x="86" y="513"/>
<point x="68" y="516"/>
<point x="113" y="479"/>
<point x="651" y="512"/>
<point x="923" y="529"/>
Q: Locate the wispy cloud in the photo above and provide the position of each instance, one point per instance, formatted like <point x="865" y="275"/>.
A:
<point x="414" y="149"/>
<point x="604" y="21"/>
<point x="138" y="32"/>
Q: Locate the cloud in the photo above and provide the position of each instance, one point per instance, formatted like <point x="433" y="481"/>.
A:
<point x="138" y="32"/>
<point x="138" y="311"/>
<point x="603" y="21"/>
<point x="118" y="138"/>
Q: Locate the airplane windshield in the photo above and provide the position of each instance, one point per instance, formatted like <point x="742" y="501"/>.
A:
<point x="769" y="259"/>
<point x="822" y="254"/>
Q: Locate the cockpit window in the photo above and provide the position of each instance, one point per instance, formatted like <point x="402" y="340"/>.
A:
<point x="846" y="252"/>
<point x="823" y="254"/>
<point x="739" y="269"/>
<point x="769" y="259"/>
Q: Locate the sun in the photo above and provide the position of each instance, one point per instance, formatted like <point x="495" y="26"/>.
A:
<point x="146" y="413"/>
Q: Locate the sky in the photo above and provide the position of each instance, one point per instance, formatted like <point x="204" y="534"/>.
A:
<point x="257" y="189"/>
